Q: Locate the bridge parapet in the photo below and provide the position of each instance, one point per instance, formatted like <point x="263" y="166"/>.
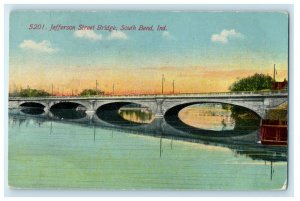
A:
<point x="143" y="96"/>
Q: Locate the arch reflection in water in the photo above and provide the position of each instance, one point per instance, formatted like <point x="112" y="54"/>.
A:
<point x="68" y="113"/>
<point x="136" y="114"/>
<point x="32" y="111"/>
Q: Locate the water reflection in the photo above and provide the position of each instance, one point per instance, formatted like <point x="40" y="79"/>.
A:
<point x="240" y="143"/>
<point x="33" y="111"/>
<point x="198" y="120"/>
<point x="138" y="115"/>
<point x="124" y="114"/>
<point x="68" y="113"/>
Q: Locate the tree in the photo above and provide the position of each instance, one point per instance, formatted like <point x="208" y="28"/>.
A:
<point x="255" y="82"/>
<point x="32" y="93"/>
<point x="91" y="92"/>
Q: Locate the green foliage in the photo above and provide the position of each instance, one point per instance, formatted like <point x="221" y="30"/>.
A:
<point x="244" y="118"/>
<point x="91" y="92"/>
<point x="255" y="82"/>
<point x="32" y="93"/>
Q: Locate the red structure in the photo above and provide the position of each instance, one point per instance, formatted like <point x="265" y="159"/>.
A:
<point x="280" y="85"/>
<point x="274" y="132"/>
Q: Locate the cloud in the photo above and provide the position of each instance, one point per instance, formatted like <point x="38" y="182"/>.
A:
<point x="225" y="35"/>
<point x="44" y="46"/>
<point x="91" y="35"/>
<point x="117" y="35"/>
<point x="87" y="34"/>
<point x="167" y="35"/>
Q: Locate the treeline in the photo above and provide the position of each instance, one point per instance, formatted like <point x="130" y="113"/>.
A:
<point x="30" y="93"/>
<point x="42" y="93"/>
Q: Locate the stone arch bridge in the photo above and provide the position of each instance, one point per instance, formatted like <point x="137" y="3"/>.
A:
<point x="161" y="105"/>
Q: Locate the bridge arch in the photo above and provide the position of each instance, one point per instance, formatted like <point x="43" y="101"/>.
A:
<point x="258" y="109"/>
<point x="120" y="103"/>
<point x="174" y="110"/>
<point x="68" y="104"/>
<point x="244" y="127"/>
<point x="109" y="112"/>
<point x="32" y="104"/>
<point x="67" y="110"/>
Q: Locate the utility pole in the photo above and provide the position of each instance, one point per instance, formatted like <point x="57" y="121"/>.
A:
<point x="52" y="90"/>
<point x="113" y="88"/>
<point x="274" y="74"/>
<point x="96" y="85"/>
<point x="162" y="83"/>
<point x="173" y="86"/>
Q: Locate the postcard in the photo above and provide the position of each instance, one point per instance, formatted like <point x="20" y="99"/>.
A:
<point x="148" y="100"/>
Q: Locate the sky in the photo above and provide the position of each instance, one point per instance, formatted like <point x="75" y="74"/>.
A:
<point x="200" y="51"/>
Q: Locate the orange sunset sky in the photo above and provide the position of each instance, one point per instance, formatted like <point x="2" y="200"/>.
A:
<point x="200" y="51"/>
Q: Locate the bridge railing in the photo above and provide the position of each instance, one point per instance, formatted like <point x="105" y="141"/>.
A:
<point x="159" y="95"/>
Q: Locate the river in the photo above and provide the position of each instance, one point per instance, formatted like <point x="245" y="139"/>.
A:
<point x="149" y="154"/>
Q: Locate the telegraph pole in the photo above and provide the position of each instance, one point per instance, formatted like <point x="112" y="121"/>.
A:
<point x="274" y="74"/>
<point x="52" y="90"/>
<point x="96" y="85"/>
<point x="113" y="88"/>
<point x="173" y="86"/>
<point x="162" y="83"/>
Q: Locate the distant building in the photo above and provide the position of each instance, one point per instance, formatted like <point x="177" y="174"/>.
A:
<point x="280" y="85"/>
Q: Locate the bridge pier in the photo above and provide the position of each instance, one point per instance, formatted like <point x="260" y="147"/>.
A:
<point x="91" y="109"/>
<point x="46" y="109"/>
<point x="158" y="115"/>
<point x="90" y="112"/>
<point x="159" y="108"/>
